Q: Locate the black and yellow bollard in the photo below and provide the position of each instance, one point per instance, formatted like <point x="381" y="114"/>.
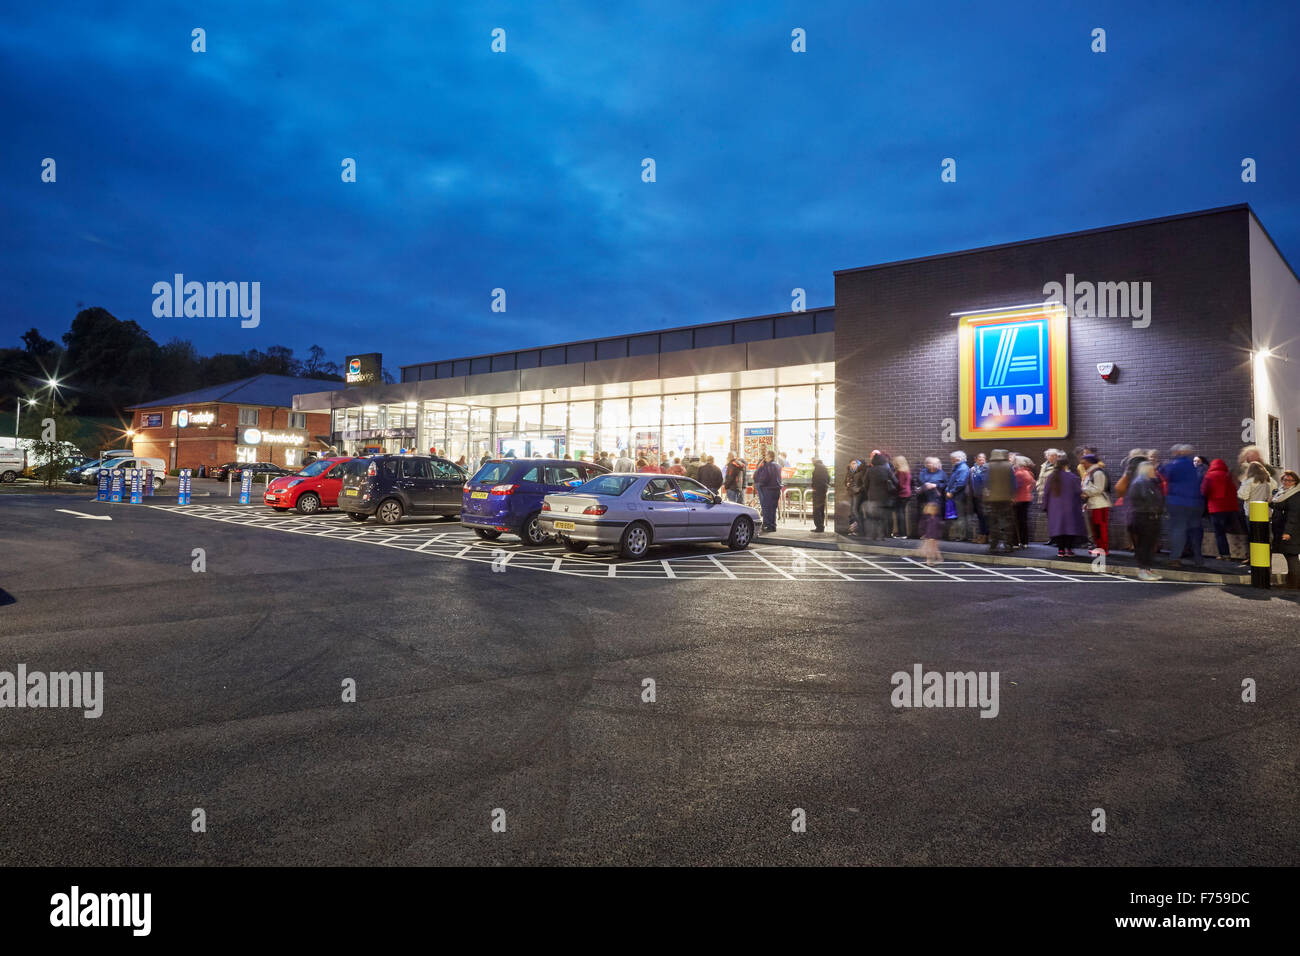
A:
<point x="1261" y="554"/>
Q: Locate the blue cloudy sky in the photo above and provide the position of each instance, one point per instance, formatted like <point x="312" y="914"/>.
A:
<point x="522" y="170"/>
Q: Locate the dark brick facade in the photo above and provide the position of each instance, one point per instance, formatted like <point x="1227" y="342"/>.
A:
<point x="1186" y="377"/>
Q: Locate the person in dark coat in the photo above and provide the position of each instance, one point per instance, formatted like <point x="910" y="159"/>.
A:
<point x="998" y="490"/>
<point x="931" y="485"/>
<point x="958" y="492"/>
<point x="853" y="493"/>
<point x="1063" y="502"/>
<point x="767" y="483"/>
<point x="878" y="487"/>
<point x="1145" y="504"/>
<point x="1285" y="523"/>
<point x="821" y="483"/>
<point x="709" y="475"/>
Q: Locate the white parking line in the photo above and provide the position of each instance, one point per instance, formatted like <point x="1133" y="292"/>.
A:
<point x="876" y="566"/>
<point x="788" y="577"/>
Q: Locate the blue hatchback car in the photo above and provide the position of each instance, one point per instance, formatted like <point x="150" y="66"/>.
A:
<point x="505" y="495"/>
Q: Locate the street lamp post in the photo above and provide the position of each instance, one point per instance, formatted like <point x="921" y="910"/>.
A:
<point x="18" y="412"/>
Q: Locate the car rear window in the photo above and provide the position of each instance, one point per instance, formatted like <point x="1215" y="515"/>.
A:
<point x="612" y="485"/>
<point x="493" y="472"/>
<point x="356" y="468"/>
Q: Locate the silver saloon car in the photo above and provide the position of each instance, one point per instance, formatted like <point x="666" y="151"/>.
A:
<point x="632" y="512"/>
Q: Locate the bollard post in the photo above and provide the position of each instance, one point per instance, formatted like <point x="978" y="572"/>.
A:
<point x="1261" y="554"/>
<point x="101" y="485"/>
<point x="230" y="479"/>
<point x="135" y="486"/>
<point x="183" y="491"/>
<point x="245" y="485"/>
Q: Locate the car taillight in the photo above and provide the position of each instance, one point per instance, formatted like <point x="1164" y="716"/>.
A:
<point x="371" y="472"/>
<point x="546" y="506"/>
<point x="465" y="488"/>
<point x="504" y="489"/>
<point x="594" y="510"/>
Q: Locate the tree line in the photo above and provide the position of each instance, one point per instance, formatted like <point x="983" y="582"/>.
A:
<point x="105" y="364"/>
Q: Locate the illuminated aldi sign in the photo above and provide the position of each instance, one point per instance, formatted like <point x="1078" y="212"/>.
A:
<point x="1013" y="373"/>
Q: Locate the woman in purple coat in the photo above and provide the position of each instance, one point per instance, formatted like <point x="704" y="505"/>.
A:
<point x="1063" y="502"/>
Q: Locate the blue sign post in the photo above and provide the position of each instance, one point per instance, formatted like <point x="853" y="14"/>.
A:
<point x="135" y="486"/>
<point x="183" y="495"/>
<point x="115" y="486"/>
<point x="102" y="494"/>
<point x="245" y="485"/>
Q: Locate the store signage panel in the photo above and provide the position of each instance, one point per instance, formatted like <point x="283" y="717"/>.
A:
<point x="1013" y="371"/>
<point x="364" y="369"/>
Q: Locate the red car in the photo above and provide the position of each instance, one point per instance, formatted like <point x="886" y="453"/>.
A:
<point x="315" y="487"/>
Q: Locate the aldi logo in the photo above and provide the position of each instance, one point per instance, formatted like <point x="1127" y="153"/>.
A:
<point x="1012" y="373"/>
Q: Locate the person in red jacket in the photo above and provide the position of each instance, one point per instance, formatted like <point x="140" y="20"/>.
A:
<point x="1220" y="491"/>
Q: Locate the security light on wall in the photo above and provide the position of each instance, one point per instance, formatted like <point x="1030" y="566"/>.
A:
<point x="1107" y="370"/>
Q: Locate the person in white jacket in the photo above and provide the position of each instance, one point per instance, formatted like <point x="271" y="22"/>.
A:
<point x="1096" y="502"/>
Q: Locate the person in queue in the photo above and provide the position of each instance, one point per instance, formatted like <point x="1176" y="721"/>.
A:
<point x="709" y="475"/>
<point x="1063" y="502"/>
<point x="903" y="503"/>
<point x="1024" y="472"/>
<point x="1285" y="525"/>
<point x="820" y="486"/>
<point x="734" y="483"/>
<point x="767" y="483"/>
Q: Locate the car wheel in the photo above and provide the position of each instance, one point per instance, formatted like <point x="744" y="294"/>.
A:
<point x="158" y="483"/>
<point x="532" y="532"/>
<point x="635" y="541"/>
<point x="575" y="546"/>
<point x="389" y="511"/>
<point x="9" y="476"/>
<point x="358" y="516"/>
<point x="487" y="534"/>
<point x="308" y="504"/>
<point x="742" y="532"/>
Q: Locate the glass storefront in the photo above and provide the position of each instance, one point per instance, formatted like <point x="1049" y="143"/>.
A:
<point x="797" y="420"/>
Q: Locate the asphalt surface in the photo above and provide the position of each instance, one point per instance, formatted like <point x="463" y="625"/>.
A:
<point x="519" y="689"/>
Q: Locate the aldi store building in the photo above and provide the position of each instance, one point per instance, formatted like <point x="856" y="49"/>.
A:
<point x="1140" y="335"/>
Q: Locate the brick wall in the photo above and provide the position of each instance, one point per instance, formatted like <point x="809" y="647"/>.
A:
<point x="1186" y="377"/>
<point x="215" y="444"/>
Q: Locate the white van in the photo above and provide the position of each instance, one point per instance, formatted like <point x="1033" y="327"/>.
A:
<point x="126" y="464"/>
<point x="12" y="463"/>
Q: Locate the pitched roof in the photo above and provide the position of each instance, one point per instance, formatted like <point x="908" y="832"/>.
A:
<point x="261" y="389"/>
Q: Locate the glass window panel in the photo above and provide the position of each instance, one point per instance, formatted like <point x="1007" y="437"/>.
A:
<point x="714" y="407"/>
<point x="798" y="401"/>
<point x="645" y="410"/>
<point x="614" y="414"/>
<point x="797" y="440"/>
<point x="756" y="404"/>
<point x="679" y="409"/>
<point x="715" y="440"/>
<point x="826" y="401"/>
<point x="555" y="415"/>
<point x="530" y="418"/>
<point x="582" y="415"/>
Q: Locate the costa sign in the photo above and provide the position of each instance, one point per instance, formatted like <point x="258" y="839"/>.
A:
<point x="1013" y="368"/>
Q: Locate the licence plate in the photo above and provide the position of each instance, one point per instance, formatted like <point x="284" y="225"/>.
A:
<point x="565" y="526"/>
<point x="478" y="494"/>
<point x="351" y="492"/>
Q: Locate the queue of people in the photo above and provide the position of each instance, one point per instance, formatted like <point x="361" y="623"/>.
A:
<point x="989" y="501"/>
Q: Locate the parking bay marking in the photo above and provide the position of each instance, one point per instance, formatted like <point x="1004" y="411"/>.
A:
<point x="751" y="564"/>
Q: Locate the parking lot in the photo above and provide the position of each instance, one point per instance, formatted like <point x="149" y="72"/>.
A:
<point x="488" y="677"/>
<point x="446" y="539"/>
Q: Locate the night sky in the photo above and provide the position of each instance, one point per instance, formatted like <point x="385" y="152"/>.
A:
<point x="522" y="169"/>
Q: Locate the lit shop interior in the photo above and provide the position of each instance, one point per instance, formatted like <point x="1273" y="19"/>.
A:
<point x="790" y="409"/>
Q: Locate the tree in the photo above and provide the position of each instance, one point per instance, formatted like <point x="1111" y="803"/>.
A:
<point x="112" y="361"/>
<point x="38" y="344"/>
<point x="50" y="426"/>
